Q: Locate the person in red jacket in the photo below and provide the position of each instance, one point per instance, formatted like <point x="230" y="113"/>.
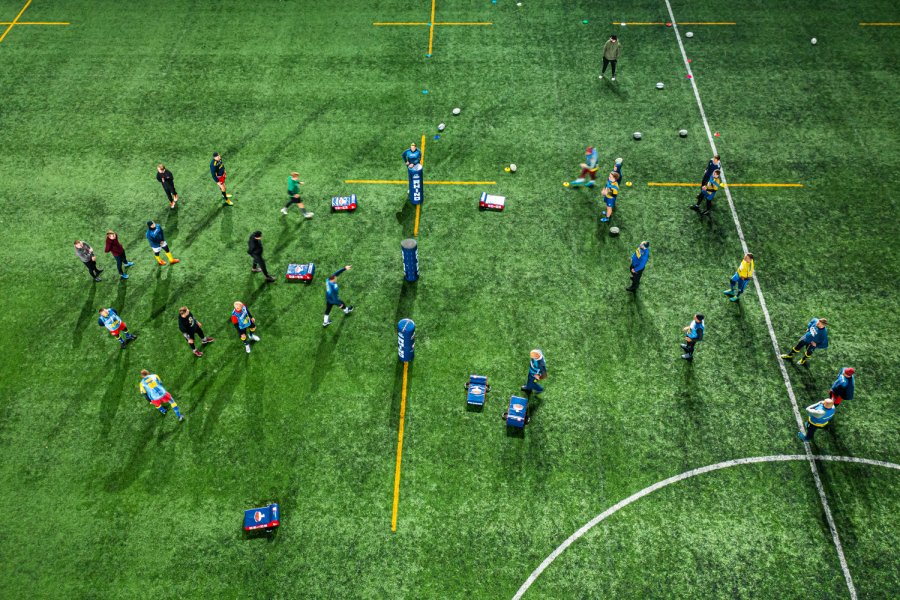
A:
<point x="114" y="246"/>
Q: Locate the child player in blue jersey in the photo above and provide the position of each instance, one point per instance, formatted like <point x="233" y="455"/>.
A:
<point x="412" y="156"/>
<point x="157" y="240"/>
<point x="245" y="324"/>
<point x="843" y="387"/>
<point x="611" y="191"/>
<point x="152" y="389"/>
<point x="115" y="325"/>
<point x="708" y="193"/>
<point x="589" y="168"/>
<point x="332" y="298"/>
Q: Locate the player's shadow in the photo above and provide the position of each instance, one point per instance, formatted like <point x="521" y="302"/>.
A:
<point x="397" y="393"/>
<point x="88" y="313"/>
<point x="160" y="301"/>
<point x="406" y="300"/>
<point x="324" y="355"/>
<point x="406" y="218"/>
<point x="121" y="296"/>
<point x="201" y="227"/>
<point x="172" y="224"/>
<point x="109" y="405"/>
<point x="287" y="235"/>
<point x="226" y="233"/>
<point x="130" y="469"/>
<point x="235" y="370"/>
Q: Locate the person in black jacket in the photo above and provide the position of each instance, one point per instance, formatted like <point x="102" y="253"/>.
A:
<point x="165" y="177"/>
<point x="714" y="164"/>
<point x="255" y="250"/>
<point x="190" y="327"/>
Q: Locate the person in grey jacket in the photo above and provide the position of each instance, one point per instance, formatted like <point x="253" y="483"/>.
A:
<point x="85" y="254"/>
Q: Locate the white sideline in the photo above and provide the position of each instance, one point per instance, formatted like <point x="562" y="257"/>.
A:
<point x="686" y="475"/>
<point x="765" y="310"/>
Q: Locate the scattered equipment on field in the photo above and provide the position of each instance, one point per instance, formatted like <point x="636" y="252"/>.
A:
<point x="682" y="132"/>
<point x="637" y="135"/>
<point x="613" y="231"/>
<point x="477" y="388"/>
<point x="660" y="85"/>
<point x="456" y="111"/>
<point x="441" y="126"/>
<point x="690" y="34"/>
<point x="343" y="203"/>
<point x="301" y="272"/>
<point x="406" y="339"/>
<point x="517" y="415"/>
<point x="813" y="41"/>
<point x="266" y="517"/>
<point x="490" y="202"/>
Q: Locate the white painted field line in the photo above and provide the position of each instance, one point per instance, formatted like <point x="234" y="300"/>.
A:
<point x="762" y="302"/>
<point x="675" y="479"/>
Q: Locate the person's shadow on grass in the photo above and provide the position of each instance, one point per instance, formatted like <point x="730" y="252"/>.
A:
<point x="324" y="355"/>
<point x="87" y="315"/>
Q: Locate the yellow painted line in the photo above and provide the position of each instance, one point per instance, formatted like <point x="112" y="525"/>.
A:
<point x="399" y="448"/>
<point x="430" y="41"/>
<point x="422" y="158"/>
<point x="418" y="214"/>
<point x="467" y="23"/>
<point x="401" y="181"/>
<point x="383" y="24"/>
<point x="667" y="184"/>
<point x="679" y="23"/>
<point x="14" y="21"/>
<point x="879" y="24"/>
<point x="35" y="23"/>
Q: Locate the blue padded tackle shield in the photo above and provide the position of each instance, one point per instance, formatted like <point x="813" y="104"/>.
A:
<point x="410" y="250"/>
<point x="406" y="339"/>
<point x="416" y="187"/>
<point x="518" y="411"/>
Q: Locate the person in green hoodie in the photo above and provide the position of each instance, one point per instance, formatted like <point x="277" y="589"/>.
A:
<point x="294" y="184"/>
<point x="611" y="51"/>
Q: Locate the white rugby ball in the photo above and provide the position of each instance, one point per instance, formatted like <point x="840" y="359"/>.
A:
<point x="618" y="161"/>
<point x="441" y="126"/>
<point x="637" y="135"/>
<point x="682" y="132"/>
<point x="689" y="34"/>
<point x="456" y="111"/>
<point x="613" y="231"/>
<point x="512" y="168"/>
<point x="660" y="85"/>
<point x="813" y="41"/>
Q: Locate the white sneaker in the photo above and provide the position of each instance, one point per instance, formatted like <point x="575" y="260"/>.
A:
<point x="579" y="180"/>
<point x="284" y="211"/>
<point x="247" y="348"/>
<point x="326" y="323"/>
<point x="254" y="337"/>
<point x="307" y="215"/>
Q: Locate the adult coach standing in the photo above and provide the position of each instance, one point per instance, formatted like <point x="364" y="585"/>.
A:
<point x="165" y="177"/>
<point x="85" y="254"/>
<point x="255" y="250"/>
<point x="638" y="264"/>
<point x="611" y="51"/>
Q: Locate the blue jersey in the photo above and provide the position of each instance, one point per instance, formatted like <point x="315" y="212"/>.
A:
<point x="331" y="288"/>
<point x="152" y="387"/>
<point x="712" y="186"/>
<point x="537" y="366"/>
<point x="843" y="387"/>
<point x="111" y="321"/>
<point x="814" y="334"/>
<point x="591" y="159"/>
<point x="412" y="157"/>
<point x="639" y="258"/>
<point x="696" y="331"/>
<point x="241" y="319"/>
<point x="612" y="188"/>
<point x="216" y="168"/>
<point x="155" y="236"/>
<point x="824" y="419"/>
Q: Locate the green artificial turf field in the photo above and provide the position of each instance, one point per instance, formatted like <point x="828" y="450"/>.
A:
<point x="105" y="498"/>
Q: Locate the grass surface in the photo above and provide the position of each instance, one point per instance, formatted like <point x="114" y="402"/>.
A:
<point x="109" y="500"/>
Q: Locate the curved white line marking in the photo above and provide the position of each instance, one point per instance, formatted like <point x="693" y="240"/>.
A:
<point x="686" y="475"/>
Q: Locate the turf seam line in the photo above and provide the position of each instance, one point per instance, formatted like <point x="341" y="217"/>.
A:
<point x="765" y="310"/>
<point x="674" y="184"/>
<point x="675" y="479"/>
